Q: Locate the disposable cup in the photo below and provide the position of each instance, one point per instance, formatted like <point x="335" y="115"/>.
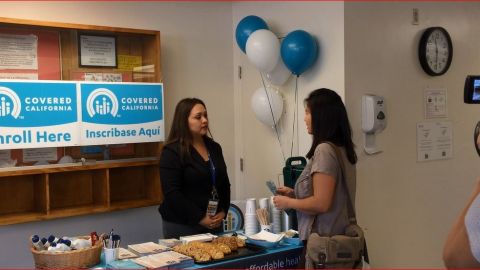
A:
<point x="111" y="254"/>
<point x="251" y="206"/>
<point x="263" y="203"/>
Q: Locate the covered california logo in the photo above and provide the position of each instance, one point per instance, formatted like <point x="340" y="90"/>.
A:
<point x="102" y="102"/>
<point x="9" y="103"/>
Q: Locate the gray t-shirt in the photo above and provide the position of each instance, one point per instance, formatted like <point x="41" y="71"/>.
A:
<point x="334" y="221"/>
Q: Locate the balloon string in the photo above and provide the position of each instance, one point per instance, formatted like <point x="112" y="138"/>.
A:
<point x="296" y="106"/>
<point x="295" y="118"/>
<point x="273" y="116"/>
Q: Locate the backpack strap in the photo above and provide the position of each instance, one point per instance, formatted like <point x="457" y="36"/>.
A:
<point x="350" y="209"/>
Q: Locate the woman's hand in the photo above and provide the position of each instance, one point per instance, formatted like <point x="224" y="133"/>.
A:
<point x="218" y="219"/>
<point x="281" y="202"/>
<point x="286" y="191"/>
<point x="211" y="222"/>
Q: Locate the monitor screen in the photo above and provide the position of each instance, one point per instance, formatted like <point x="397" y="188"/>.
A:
<point x="476" y="89"/>
<point x="471" y="93"/>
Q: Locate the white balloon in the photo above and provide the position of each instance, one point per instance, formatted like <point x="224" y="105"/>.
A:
<point x="263" y="50"/>
<point x="280" y="74"/>
<point x="261" y="105"/>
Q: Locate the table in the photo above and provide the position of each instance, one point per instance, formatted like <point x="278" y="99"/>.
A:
<point x="285" y="256"/>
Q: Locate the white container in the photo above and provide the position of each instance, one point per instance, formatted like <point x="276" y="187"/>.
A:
<point x="110" y="254"/>
<point x="251" y="206"/>
<point x="263" y="203"/>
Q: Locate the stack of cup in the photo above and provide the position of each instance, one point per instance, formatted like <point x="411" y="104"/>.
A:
<point x="276" y="217"/>
<point x="251" y="223"/>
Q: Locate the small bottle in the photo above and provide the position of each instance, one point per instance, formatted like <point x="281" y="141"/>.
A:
<point x="66" y="242"/>
<point x="44" y="242"/>
<point x="61" y="246"/>
<point x="53" y="247"/>
<point x="52" y="239"/>
<point x="37" y="243"/>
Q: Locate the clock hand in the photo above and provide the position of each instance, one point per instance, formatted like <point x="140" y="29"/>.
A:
<point x="436" y="52"/>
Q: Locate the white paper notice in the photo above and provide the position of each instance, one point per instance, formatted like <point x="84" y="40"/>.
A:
<point x="103" y="77"/>
<point x="18" y="51"/>
<point x="5" y="155"/>
<point x="97" y="51"/>
<point x="37" y="154"/>
<point x="19" y="76"/>
<point x="434" y="141"/>
<point x="435" y="103"/>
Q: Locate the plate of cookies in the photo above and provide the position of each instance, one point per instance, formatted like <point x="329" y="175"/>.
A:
<point x="220" y="249"/>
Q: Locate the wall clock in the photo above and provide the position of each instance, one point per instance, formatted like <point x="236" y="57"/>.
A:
<point x="435" y="51"/>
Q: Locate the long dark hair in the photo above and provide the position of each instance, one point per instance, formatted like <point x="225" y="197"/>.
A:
<point x="180" y="131"/>
<point x="329" y="122"/>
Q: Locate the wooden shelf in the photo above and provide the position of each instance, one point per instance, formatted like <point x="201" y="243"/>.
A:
<point x="78" y="166"/>
<point x="131" y="179"/>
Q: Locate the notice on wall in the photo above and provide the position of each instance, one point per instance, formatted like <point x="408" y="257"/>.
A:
<point x="434" y="141"/>
<point x="97" y="51"/>
<point x="435" y="103"/>
<point x="129" y="62"/>
<point x="19" y="76"/>
<point x="18" y="51"/>
<point x="5" y="155"/>
<point x="32" y="155"/>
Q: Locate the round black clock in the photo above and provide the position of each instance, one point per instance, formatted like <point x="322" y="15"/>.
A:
<point x="435" y="51"/>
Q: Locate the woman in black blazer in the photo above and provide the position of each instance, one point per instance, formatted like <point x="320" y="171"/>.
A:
<point x="193" y="174"/>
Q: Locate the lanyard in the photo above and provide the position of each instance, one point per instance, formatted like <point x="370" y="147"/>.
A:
<point x="213" y="174"/>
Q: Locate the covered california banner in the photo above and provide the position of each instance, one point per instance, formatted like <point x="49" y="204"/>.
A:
<point x="38" y="114"/>
<point x="115" y="113"/>
<point x="57" y="113"/>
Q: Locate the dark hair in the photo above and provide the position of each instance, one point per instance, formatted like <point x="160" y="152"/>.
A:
<point x="180" y="131"/>
<point x="329" y="122"/>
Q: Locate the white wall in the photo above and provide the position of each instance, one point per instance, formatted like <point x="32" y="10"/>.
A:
<point x="196" y="49"/>
<point x="406" y="206"/>
<point x="255" y="142"/>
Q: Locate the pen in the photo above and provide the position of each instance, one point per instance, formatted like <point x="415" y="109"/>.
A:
<point x="111" y="239"/>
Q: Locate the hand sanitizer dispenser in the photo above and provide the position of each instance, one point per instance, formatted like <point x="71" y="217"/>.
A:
<point x="373" y="120"/>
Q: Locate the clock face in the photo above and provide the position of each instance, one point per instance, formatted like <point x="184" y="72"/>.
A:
<point x="435" y="51"/>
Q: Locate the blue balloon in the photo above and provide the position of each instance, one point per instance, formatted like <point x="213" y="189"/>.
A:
<point x="299" y="51"/>
<point x="246" y="27"/>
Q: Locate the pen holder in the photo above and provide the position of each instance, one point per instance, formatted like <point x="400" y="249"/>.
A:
<point x="111" y="254"/>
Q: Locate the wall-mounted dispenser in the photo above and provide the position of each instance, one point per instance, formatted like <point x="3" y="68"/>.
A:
<point x="373" y="121"/>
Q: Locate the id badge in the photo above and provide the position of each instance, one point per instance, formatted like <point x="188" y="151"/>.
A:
<point x="212" y="207"/>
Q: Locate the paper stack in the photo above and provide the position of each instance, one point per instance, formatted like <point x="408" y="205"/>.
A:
<point x="166" y="260"/>
<point x="197" y="237"/>
<point x="126" y="254"/>
<point x="147" y="248"/>
<point x="169" y="242"/>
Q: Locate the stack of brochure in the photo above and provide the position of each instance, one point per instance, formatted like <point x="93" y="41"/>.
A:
<point x="147" y="248"/>
<point x="165" y="260"/>
<point x="204" y="237"/>
<point x="126" y="254"/>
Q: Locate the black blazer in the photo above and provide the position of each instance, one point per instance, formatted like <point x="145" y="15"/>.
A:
<point x="187" y="185"/>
